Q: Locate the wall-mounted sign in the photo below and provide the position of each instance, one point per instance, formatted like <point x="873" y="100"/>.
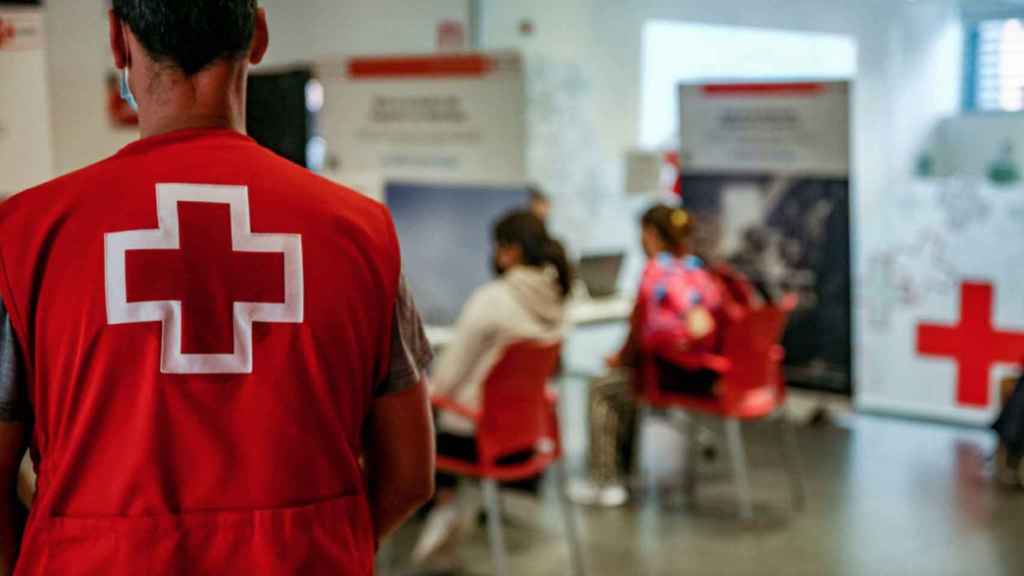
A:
<point x="801" y="128"/>
<point x="26" y="152"/>
<point x="449" y="118"/>
<point x="21" y="29"/>
<point x="767" y="169"/>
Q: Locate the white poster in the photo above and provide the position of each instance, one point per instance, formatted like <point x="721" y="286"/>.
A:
<point x="939" y="308"/>
<point x="800" y="128"/>
<point x="765" y="169"/>
<point x="444" y="118"/>
<point x="26" y="155"/>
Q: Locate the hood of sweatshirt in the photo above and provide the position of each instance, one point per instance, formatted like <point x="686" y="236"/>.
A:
<point x="537" y="290"/>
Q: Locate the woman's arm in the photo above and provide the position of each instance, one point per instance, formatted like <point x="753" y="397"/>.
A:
<point x="474" y="333"/>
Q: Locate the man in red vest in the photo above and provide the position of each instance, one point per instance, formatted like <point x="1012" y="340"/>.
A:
<point x="209" y="350"/>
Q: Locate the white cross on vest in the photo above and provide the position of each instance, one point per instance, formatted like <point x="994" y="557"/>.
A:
<point x="243" y="251"/>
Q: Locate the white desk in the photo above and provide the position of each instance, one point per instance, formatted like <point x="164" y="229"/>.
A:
<point x="591" y="311"/>
<point x="581" y="312"/>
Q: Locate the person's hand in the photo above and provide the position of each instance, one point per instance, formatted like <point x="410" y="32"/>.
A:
<point x="613" y="360"/>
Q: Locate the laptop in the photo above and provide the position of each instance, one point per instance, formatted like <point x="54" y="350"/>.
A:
<point x="600" y="274"/>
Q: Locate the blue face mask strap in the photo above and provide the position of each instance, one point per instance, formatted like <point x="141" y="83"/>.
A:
<point x="126" y="91"/>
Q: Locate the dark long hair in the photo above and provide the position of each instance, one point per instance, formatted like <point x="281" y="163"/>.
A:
<point x="673" y="225"/>
<point x="526" y="231"/>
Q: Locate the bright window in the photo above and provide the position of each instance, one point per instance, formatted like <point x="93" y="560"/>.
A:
<point x="995" y="66"/>
<point x="677" y="52"/>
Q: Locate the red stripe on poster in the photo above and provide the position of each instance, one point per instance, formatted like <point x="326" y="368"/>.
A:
<point x="421" y="66"/>
<point x="734" y="90"/>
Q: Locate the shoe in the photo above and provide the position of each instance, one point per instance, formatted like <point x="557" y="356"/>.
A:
<point x="613" y="496"/>
<point x="439" y="533"/>
<point x="583" y="492"/>
<point x="590" y="493"/>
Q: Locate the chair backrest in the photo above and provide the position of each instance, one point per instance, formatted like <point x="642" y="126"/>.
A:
<point x="515" y="408"/>
<point x="752" y="347"/>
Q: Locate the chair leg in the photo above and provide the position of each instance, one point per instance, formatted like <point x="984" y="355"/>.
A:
<point x="791" y="457"/>
<point x="739" y="468"/>
<point x="641" y="479"/>
<point x="692" y="459"/>
<point x="492" y="501"/>
<point x="569" y="520"/>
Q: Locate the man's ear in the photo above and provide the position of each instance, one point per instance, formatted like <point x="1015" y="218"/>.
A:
<point x="118" y="43"/>
<point x="260" y="38"/>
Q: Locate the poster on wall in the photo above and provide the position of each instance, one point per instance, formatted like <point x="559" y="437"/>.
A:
<point x="940" y="313"/>
<point x="765" y="170"/>
<point x="26" y="156"/>
<point x="442" y="140"/>
<point x="458" y="118"/>
<point x="453" y="223"/>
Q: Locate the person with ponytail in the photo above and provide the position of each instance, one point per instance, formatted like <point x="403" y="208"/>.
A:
<point x="525" y="301"/>
<point x="676" y="310"/>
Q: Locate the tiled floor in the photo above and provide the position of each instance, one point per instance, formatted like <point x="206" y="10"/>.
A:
<point x="884" y="498"/>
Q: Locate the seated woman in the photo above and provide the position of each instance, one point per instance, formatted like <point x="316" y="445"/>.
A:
<point x="525" y="302"/>
<point x="676" y="312"/>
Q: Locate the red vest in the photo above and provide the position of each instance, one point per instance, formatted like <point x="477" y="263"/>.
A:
<point x="204" y="324"/>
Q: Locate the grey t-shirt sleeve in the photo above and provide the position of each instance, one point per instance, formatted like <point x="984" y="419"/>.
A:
<point x="411" y="353"/>
<point x="13" y="392"/>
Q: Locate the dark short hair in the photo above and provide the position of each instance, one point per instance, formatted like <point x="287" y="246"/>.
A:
<point x="190" y="34"/>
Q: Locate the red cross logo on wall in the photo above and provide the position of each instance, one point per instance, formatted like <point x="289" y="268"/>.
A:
<point x="974" y="344"/>
<point x="206" y="277"/>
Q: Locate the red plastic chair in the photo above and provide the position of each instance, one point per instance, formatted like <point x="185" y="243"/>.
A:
<point x="751" y="387"/>
<point x="519" y="414"/>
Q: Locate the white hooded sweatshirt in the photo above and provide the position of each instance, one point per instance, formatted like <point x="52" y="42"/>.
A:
<point x="526" y="303"/>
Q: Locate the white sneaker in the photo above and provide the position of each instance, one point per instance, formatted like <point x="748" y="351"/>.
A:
<point x="613" y="496"/>
<point x="589" y="493"/>
<point x="440" y="531"/>
<point x="583" y="492"/>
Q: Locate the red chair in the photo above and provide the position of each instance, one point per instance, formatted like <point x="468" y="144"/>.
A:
<point x="751" y="387"/>
<point x="519" y="415"/>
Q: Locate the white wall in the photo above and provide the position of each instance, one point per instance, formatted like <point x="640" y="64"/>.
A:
<point x="79" y="62"/>
<point x="729" y="53"/>
<point x="304" y="30"/>
<point x="301" y="31"/>
<point x="562" y="28"/>
<point x="909" y="62"/>
<point x="26" y="156"/>
<point x="967" y="145"/>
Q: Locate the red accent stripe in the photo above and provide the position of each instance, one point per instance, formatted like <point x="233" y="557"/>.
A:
<point x="420" y="66"/>
<point x="731" y="90"/>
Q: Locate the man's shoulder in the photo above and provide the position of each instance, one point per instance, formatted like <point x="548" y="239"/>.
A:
<point x="326" y="191"/>
<point x="58" y="190"/>
<point x="349" y="196"/>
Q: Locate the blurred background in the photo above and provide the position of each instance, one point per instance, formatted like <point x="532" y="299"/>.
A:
<point x="863" y="157"/>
